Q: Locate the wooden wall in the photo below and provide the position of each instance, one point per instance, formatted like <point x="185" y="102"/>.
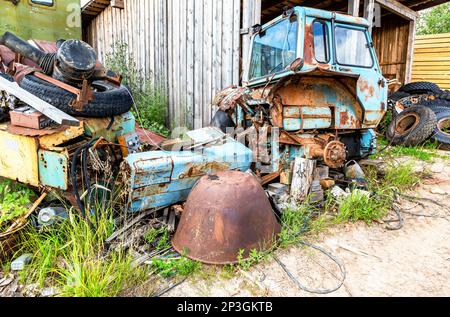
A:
<point x="190" y="47"/>
<point x="432" y="59"/>
<point x="391" y="45"/>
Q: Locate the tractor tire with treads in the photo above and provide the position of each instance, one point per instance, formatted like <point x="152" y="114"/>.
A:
<point x="412" y="127"/>
<point x="421" y="87"/>
<point x="442" y="130"/>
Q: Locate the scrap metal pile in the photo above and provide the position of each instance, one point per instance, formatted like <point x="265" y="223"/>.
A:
<point x="421" y="111"/>
<point x="287" y="135"/>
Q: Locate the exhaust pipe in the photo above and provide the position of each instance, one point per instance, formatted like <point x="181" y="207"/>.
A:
<point x="19" y="46"/>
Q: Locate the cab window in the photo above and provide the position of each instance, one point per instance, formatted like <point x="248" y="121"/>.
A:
<point x="352" y="47"/>
<point x="320" y="42"/>
<point x="274" y="48"/>
<point x="48" y="3"/>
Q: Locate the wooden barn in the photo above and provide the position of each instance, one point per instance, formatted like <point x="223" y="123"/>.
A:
<point x="194" y="48"/>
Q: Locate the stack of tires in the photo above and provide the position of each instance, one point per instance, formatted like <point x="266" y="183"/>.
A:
<point x="425" y="114"/>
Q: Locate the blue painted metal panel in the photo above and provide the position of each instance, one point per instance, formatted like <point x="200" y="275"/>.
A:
<point x="164" y="178"/>
<point x="368" y="142"/>
<point x="306" y="118"/>
<point x="53" y="169"/>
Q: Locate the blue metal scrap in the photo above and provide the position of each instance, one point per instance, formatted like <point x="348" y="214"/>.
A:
<point x="164" y="178"/>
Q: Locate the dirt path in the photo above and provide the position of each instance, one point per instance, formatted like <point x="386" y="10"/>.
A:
<point x="414" y="261"/>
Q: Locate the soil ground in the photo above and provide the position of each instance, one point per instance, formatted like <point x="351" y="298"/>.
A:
<point x="413" y="261"/>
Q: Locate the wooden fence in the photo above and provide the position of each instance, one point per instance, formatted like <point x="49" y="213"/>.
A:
<point x="432" y="59"/>
<point x="192" y="48"/>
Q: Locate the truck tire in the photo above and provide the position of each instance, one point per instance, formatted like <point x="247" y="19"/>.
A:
<point x="412" y="127"/>
<point x="421" y="87"/>
<point x="108" y="100"/>
<point x="222" y="120"/>
<point x="396" y="96"/>
<point x="442" y="130"/>
<point x="7" y="77"/>
<point x="443" y="95"/>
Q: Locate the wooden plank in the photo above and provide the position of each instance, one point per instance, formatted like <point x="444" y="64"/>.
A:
<point x="399" y="9"/>
<point x="369" y="10"/>
<point x="410" y="50"/>
<point x="40" y="105"/>
<point x="198" y="64"/>
<point x="353" y="7"/>
<point x="190" y="64"/>
<point x="207" y="64"/>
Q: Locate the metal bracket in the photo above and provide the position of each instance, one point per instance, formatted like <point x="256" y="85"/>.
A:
<point x="84" y="96"/>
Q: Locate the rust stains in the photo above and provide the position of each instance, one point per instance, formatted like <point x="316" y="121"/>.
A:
<point x="344" y="118"/>
<point x="366" y="88"/>
<point x="308" y="48"/>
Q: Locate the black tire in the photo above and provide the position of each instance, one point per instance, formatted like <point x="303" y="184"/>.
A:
<point x="437" y="105"/>
<point x="412" y="127"/>
<point x="443" y="95"/>
<point x="108" y="100"/>
<point x="222" y="120"/>
<point x="442" y="129"/>
<point x="396" y="96"/>
<point x="421" y="87"/>
<point x="7" y="77"/>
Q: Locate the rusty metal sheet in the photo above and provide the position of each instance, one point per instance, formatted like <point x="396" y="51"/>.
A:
<point x="226" y="212"/>
<point x="148" y="137"/>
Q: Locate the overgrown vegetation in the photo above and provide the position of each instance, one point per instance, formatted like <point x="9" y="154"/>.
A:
<point x="171" y="267"/>
<point x="73" y="257"/>
<point x="14" y="199"/>
<point x="435" y="20"/>
<point x="426" y="152"/>
<point x="150" y="99"/>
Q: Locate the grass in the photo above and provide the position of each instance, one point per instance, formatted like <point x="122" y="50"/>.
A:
<point x="151" y="102"/>
<point x="172" y="267"/>
<point x="158" y="238"/>
<point x="14" y="199"/>
<point x="73" y="257"/>
<point x="426" y="152"/>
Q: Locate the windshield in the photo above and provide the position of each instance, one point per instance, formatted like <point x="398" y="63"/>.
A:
<point x="352" y="47"/>
<point x="274" y="48"/>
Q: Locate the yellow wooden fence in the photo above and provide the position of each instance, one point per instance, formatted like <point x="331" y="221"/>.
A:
<point x="432" y="59"/>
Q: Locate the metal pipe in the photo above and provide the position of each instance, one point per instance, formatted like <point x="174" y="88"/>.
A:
<point x="21" y="47"/>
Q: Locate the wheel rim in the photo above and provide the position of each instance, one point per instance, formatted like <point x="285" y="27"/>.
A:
<point x="444" y="126"/>
<point x="408" y="123"/>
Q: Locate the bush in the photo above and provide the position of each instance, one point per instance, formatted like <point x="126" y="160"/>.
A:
<point x="151" y="102"/>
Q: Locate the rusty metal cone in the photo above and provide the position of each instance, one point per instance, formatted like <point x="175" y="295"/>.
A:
<point x="225" y="213"/>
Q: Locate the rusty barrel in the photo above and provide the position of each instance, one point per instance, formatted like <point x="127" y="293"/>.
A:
<point x="226" y="212"/>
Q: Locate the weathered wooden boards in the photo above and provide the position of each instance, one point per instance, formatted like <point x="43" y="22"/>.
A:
<point x="40" y="105"/>
<point x="302" y="178"/>
<point x="432" y="59"/>
<point x="190" y="48"/>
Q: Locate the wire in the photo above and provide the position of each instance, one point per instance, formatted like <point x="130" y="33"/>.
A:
<point x="310" y="290"/>
<point x="320" y="249"/>
<point x="73" y="174"/>
<point x="170" y="288"/>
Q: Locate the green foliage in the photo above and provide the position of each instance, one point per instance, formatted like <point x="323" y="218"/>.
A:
<point x="358" y="206"/>
<point x="159" y="238"/>
<point x="173" y="267"/>
<point x="435" y="20"/>
<point x="254" y="257"/>
<point x="426" y="152"/>
<point x="151" y="102"/>
<point x="401" y="177"/>
<point x="14" y="198"/>
<point x="72" y="257"/>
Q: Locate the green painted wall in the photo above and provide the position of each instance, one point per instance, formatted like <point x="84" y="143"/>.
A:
<point x="31" y="20"/>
